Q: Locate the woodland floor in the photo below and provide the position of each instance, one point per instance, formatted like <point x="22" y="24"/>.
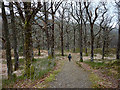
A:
<point x="70" y="75"/>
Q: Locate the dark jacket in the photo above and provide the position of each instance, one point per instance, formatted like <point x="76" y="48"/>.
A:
<point x="69" y="56"/>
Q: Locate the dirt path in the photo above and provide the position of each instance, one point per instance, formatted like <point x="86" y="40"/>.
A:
<point x="71" y="76"/>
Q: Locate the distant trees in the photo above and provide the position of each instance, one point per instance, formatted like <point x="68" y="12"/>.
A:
<point x="85" y="32"/>
<point x="77" y="14"/>
<point x="74" y="34"/>
<point x="46" y="24"/>
<point x="62" y="17"/>
<point x="106" y="28"/>
<point x="67" y="23"/>
<point x="54" y="8"/>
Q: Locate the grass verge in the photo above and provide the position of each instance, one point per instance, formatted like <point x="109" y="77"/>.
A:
<point x="97" y="82"/>
<point x="51" y="76"/>
<point x="103" y="74"/>
<point x="41" y="68"/>
<point x="95" y="65"/>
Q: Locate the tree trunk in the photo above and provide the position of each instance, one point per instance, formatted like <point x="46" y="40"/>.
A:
<point x="46" y="28"/>
<point x="103" y="50"/>
<point x="118" y="45"/>
<point x="39" y="51"/>
<point x="52" y="49"/>
<point x="28" y="48"/>
<point x="85" y="40"/>
<point x="8" y="47"/>
<point x="80" y="41"/>
<point x="74" y="41"/>
<point x="28" y="37"/>
<point x="32" y="48"/>
<point x="23" y="39"/>
<point x="62" y="46"/>
<point x="92" y="43"/>
<point x="67" y="38"/>
<point x="16" y="57"/>
<point x="44" y="42"/>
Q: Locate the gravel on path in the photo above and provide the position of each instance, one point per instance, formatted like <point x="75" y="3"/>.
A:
<point x="71" y="76"/>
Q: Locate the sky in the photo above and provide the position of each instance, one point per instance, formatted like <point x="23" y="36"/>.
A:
<point x="112" y="10"/>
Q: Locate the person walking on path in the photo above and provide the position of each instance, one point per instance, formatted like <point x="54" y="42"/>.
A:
<point x="69" y="57"/>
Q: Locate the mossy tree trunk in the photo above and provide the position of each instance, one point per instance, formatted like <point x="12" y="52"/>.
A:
<point x="28" y="38"/>
<point x="28" y="53"/>
<point x="27" y="17"/>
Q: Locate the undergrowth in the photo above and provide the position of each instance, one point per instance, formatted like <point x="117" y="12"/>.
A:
<point x="41" y="68"/>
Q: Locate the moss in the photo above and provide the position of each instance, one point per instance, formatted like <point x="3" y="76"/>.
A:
<point x="34" y="60"/>
<point x="49" y="63"/>
<point x="14" y="75"/>
<point x="32" y="71"/>
<point x="77" y="62"/>
<point x="86" y="54"/>
<point x="50" y="78"/>
<point x="27" y="68"/>
<point x="49" y="57"/>
<point x="81" y="60"/>
<point x="56" y="71"/>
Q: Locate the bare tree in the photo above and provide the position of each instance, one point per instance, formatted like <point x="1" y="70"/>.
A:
<point x="54" y="8"/>
<point x="92" y="21"/>
<point x="8" y="46"/>
<point x="85" y="19"/>
<point x="30" y="13"/>
<point x="67" y="30"/>
<point x="16" y="57"/>
<point x="106" y="31"/>
<point x="62" y="17"/>
<point x="46" y="25"/>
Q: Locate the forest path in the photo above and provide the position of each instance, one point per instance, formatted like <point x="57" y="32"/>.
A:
<point x="71" y="76"/>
